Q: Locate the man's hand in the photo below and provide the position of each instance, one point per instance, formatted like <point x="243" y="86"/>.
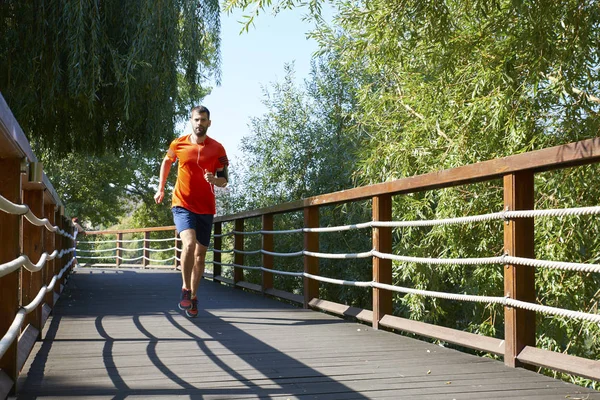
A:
<point x="210" y="178"/>
<point x="159" y="196"/>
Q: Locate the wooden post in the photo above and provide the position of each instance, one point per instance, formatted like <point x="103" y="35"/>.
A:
<point x="119" y="251"/>
<point x="31" y="282"/>
<point x="311" y="264"/>
<point x="267" y="259"/>
<point x="49" y="247"/>
<point x="59" y="262"/>
<point x="217" y="245"/>
<point x="382" y="269"/>
<point x="238" y="258"/>
<point x="10" y="226"/>
<point x="145" y="260"/>
<point x="519" y="281"/>
<point x="65" y="244"/>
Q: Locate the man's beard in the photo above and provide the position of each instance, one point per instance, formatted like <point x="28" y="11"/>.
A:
<point x="201" y="131"/>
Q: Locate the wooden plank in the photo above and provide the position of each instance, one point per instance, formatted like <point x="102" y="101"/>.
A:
<point x="250" y="286"/>
<point x="311" y="264"/>
<point x="560" y="362"/>
<point x="245" y="346"/>
<point x="466" y="339"/>
<point x="382" y="269"/>
<point x="26" y="342"/>
<point x="6" y="385"/>
<point x="296" y="298"/>
<point x="519" y="280"/>
<point x="568" y="155"/>
<point x="238" y="258"/>
<point x="218" y="245"/>
<point x="224" y="280"/>
<point x="343" y="310"/>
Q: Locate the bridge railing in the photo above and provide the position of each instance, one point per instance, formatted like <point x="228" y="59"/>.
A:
<point x="518" y="348"/>
<point x="36" y="240"/>
<point x="135" y="248"/>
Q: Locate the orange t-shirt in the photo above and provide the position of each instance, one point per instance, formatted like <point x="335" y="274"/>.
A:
<point x="192" y="191"/>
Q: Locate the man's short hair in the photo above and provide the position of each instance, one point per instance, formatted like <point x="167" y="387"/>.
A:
<point x="200" y="110"/>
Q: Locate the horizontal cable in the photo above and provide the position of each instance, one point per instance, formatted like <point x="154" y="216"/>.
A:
<point x="128" y="240"/>
<point x="246" y="251"/>
<point x="568" y="266"/>
<point x="299" y="230"/>
<point x="440" y="295"/>
<point x="505" y="301"/>
<point x="339" y="228"/>
<point x="11" y="208"/>
<point x="126" y="249"/>
<point x="298" y="253"/>
<point x="222" y="234"/>
<point x="15" y="328"/>
<point x="337" y="281"/>
<point x="552" y="310"/>
<point x="24" y="210"/>
<point x="246" y="232"/>
<point x="338" y="256"/>
<point x="443" y="261"/>
<point x="24" y="261"/>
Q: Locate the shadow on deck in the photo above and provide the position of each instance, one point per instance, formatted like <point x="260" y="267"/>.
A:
<point x="118" y="334"/>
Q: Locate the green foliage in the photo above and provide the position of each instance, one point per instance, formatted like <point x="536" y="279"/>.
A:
<point x="437" y="85"/>
<point x="303" y="146"/>
<point x="101" y="190"/>
<point x="90" y="77"/>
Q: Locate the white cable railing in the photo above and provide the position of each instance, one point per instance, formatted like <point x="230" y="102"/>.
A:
<point x="494" y="260"/>
<point x="15" y="328"/>
<point x="21" y="209"/>
<point x="24" y="261"/>
<point x="118" y="248"/>
<point x="501" y="215"/>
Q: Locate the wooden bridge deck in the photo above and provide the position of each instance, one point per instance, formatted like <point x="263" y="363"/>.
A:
<point x="118" y="334"/>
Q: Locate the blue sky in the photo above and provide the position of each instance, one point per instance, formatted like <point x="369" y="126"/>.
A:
<point x="249" y="61"/>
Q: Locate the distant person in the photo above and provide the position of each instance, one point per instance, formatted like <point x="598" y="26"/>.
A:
<point x="202" y="164"/>
<point x="78" y="229"/>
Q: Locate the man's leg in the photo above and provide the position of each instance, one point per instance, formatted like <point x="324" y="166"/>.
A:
<point x="198" y="271"/>
<point x="188" y="248"/>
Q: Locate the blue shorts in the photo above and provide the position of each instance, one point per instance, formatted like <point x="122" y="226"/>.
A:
<point x="201" y="223"/>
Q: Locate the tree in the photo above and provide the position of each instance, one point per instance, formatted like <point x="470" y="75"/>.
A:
<point x="451" y="83"/>
<point x="96" y="76"/>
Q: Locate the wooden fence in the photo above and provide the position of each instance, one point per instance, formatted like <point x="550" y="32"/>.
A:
<point x="518" y="348"/>
<point x="22" y="181"/>
<point x="517" y="172"/>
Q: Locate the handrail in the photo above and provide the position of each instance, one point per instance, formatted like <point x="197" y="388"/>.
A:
<point x="517" y="172"/>
<point x="568" y="155"/>
<point x="33" y="227"/>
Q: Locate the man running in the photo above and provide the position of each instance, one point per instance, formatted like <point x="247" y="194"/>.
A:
<point x="202" y="164"/>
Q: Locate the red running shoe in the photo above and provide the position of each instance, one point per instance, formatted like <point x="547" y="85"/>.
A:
<point x="192" y="312"/>
<point x="186" y="301"/>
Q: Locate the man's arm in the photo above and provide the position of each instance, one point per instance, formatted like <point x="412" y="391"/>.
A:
<point x="220" y="179"/>
<point x="165" y="168"/>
